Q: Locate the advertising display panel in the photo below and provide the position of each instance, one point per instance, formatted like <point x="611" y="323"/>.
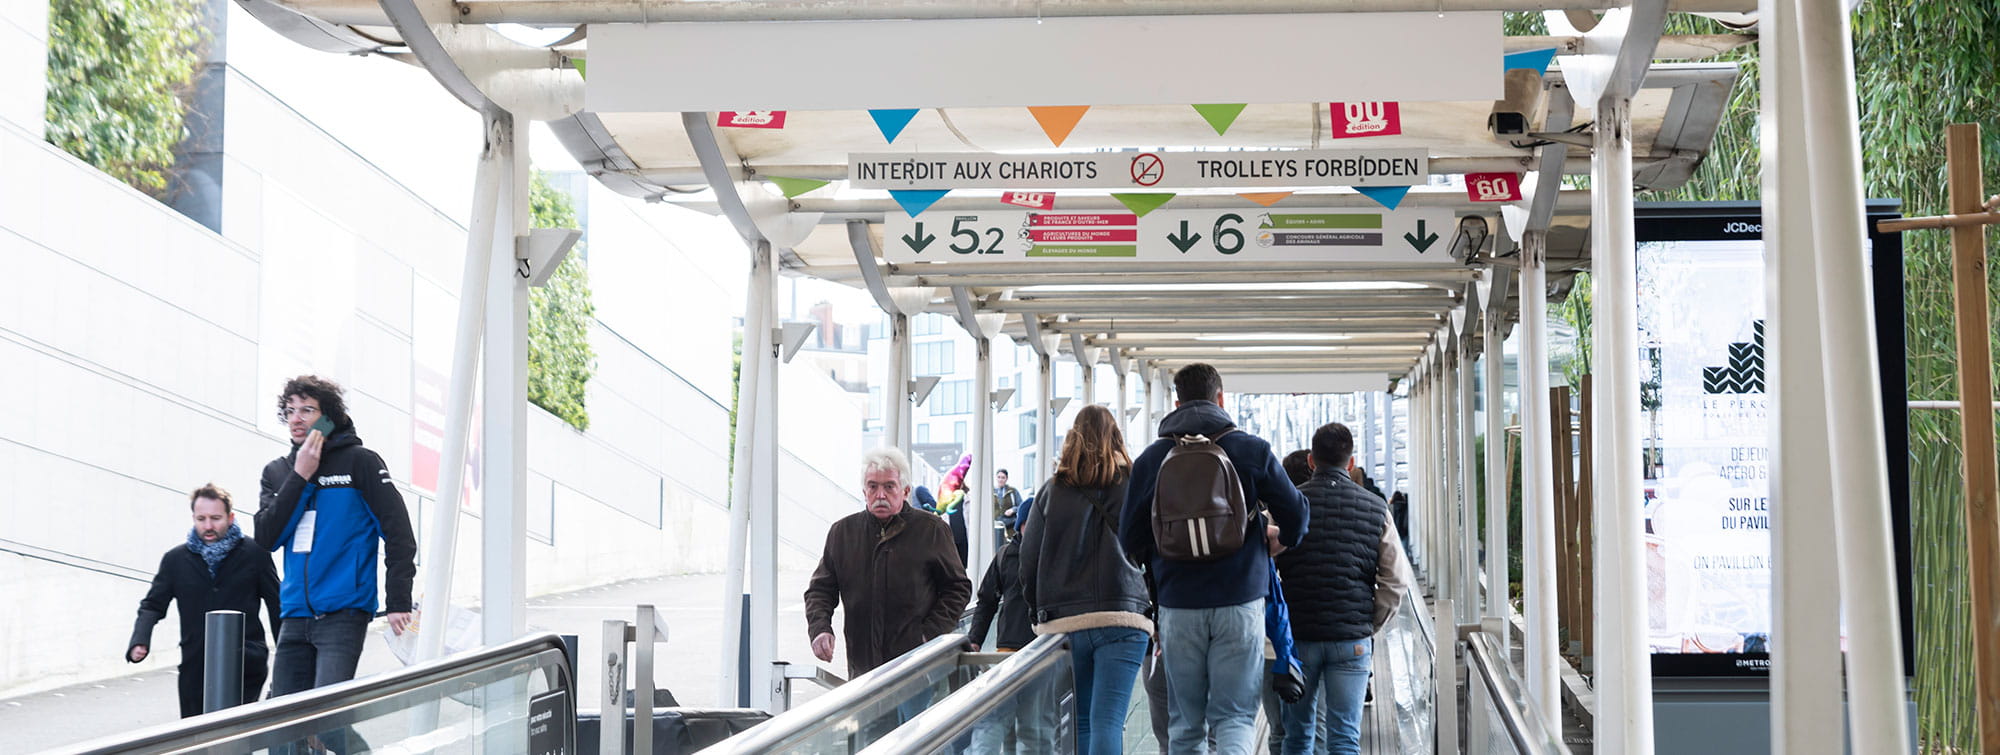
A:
<point x="1705" y="402"/>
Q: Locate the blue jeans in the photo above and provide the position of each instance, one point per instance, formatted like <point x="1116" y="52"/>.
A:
<point x="1215" y="674"/>
<point x="1106" y="662"/>
<point x="1029" y="720"/>
<point x="317" y="651"/>
<point x="1338" y="670"/>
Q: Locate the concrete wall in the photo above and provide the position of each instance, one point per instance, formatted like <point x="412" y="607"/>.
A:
<point x="142" y="352"/>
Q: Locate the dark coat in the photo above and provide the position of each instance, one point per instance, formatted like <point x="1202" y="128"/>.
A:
<point x="1000" y="595"/>
<point x="901" y="580"/>
<point x="1071" y="562"/>
<point x="1242" y="576"/>
<point x="1330" y="577"/>
<point x="244" y="580"/>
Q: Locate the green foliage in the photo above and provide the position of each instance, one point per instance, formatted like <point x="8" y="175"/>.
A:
<point x="1919" y="65"/>
<point x="735" y="399"/>
<point x="560" y="361"/>
<point x="1576" y="310"/>
<point x="117" y="73"/>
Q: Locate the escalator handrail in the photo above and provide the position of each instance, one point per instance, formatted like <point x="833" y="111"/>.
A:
<point x="947" y="719"/>
<point x="1529" y="735"/>
<point x="332" y="699"/>
<point x="799" y="724"/>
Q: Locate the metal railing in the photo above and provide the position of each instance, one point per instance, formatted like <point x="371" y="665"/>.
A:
<point x="848" y="710"/>
<point x="1499" y="718"/>
<point x="1035" y="681"/>
<point x="499" y="698"/>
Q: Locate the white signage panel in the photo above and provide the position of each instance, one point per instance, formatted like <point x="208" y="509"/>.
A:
<point x="996" y="62"/>
<point x="1410" y="236"/>
<point x="1140" y="170"/>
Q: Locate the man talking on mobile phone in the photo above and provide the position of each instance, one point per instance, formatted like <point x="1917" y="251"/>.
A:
<point x="327" y="503"/>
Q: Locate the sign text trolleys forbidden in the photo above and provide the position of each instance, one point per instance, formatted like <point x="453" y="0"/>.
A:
<point x="1414" y="235"/>
<point x="1140" y="170"/>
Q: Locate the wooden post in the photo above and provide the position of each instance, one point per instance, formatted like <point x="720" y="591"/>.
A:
<point x="1559" y="448"/>
<point x="1586" y="530"/>
<point x="1975" y="390"/>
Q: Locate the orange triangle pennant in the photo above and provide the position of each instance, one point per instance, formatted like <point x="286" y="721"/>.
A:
<point x="1266" y="198"/>
<point x="1057" y="122"/>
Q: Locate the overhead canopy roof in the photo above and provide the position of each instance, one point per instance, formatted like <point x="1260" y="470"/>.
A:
<point x="1271" y="317"/>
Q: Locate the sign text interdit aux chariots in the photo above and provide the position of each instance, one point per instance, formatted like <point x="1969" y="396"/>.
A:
<point x="1144" y="170"/>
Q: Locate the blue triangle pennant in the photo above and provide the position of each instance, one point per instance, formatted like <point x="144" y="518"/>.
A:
<point x="891" y="122"/>
<point x="1537" y="60"/>
<point x="915" y="201"/>
<point x="1387" y="196"/>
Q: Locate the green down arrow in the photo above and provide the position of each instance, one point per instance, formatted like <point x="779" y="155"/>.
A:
<point x="921" y="240"/>
<point x="1184" y="240"/>
<point x="1422" y="241"/>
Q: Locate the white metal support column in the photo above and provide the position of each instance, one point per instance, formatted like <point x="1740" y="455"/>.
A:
<point x="1805" y="585"/>
<point x="1625" y="711"/>
<point x="1497" y="546"/>
<point x="1878" y="717"/>
<point x="1468" y="508"/>
<point x="1045" y="430"/>
<point x="1086" y="375"/>
<point x="504" y="448"/>
<point x="441" y="550"/>
<point x="1124" y="394"/>
<point x="1364" y="437"/>
<point x="745" y="479"/>
<point x="1451" y="498"/>
<point x="1538" y="527"/>
<point x="1388" y="477"/>
<point x="896" y="409"/>
<point x="764" y="491"/>
<point x="979" y="477"/>
<point x="1420" y="520"/>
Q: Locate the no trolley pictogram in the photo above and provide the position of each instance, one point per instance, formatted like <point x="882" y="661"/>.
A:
<point x="1148" y="169"/>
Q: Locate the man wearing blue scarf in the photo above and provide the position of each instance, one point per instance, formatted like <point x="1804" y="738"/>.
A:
<point x="217" y="569"/>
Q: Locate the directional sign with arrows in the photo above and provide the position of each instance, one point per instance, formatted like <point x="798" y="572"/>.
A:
<point x="1414" y="235"/>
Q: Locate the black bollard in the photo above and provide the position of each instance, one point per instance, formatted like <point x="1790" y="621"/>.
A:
<point x="222" y="661"/>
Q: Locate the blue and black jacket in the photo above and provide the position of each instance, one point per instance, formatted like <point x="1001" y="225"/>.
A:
<point x="355" y="504"/>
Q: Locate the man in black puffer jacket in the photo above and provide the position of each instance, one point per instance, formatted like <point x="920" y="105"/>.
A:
<point x="1342" y="583"/>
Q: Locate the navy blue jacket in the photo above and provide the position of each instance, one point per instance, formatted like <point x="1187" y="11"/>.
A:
<point x="355" y="505"/>
<point x="1242" y="576"/>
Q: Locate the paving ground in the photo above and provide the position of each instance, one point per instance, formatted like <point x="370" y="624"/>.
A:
<point x="687" y="665"/>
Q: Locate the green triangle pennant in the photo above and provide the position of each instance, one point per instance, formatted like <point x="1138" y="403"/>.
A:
<point x="793" y="187"/>
<point x="1219" y="117"/>
<point x="1140" y="204"/>
<point x="578" y="63"/>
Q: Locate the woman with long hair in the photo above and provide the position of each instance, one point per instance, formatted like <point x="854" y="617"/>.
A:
<point x="1077" y="579"/>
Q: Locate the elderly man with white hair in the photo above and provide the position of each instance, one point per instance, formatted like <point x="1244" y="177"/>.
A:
<point x="895" y="568"/>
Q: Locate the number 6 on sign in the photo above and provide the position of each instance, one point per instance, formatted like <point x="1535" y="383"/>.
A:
<point x="1234" y="243"/>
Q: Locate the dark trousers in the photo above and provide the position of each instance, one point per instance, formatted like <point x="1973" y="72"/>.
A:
<point x="317" y="651"/>
<point x="255" y="660"/>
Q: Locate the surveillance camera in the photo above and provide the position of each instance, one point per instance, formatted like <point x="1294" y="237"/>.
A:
<point x="1522" y="101"/>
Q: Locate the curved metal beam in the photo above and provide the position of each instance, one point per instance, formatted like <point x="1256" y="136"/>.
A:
<point x="871" y="271"/>
<point x="416" y="34"/>
<point x="657" y="11"/>
<point x="715" y="166"/>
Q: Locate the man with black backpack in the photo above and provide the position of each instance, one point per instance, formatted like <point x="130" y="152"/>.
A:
<point x="1191" y="515"/>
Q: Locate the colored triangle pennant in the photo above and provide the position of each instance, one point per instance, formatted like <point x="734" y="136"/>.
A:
<point x="915" y="201"/>
<point x="1219" y="117"/>
<point x="1536" y="60"/>
<point x="578" y="63"/>
<point x="1266" y="198"/>
<point x="1140" y="204"/>
<point x="793" y="187"/>
<point x="1057" y="122"/>
<point x="891" y="122"/>
<point x="1387" y="196"/>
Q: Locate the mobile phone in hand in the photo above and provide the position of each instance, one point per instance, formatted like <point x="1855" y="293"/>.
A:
<point x="324" y="426"/>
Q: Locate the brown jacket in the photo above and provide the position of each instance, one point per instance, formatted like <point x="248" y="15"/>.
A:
<point x="901" y="581"/>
